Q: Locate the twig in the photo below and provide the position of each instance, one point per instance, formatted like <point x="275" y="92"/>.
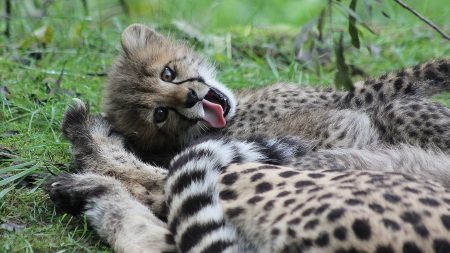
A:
<point x="428" y="22"/>
<point x="85" y="7"/>
<point x="125" y="7"/>
<point x="7" y="31"/>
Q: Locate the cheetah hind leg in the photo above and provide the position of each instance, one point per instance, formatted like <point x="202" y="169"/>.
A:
<point x="119" y="219"/>
<point x="424" y="79"/>
<point x="419" y="122"/>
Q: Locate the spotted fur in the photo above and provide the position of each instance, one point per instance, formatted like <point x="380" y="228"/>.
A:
<point x="388" y="110"/>
<point x="217" y="206"/>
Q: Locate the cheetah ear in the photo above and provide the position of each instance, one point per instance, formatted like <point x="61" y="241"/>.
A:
<point x="137" y="37"/>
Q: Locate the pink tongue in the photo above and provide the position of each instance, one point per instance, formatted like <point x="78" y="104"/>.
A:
<point x="213" y="114"/>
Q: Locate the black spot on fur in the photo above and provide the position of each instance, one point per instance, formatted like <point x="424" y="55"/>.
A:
<point x="384" y="249"/>
<point x="263" y="187"/>
<point x="321" y="209"/>
<point x="340" y="177"/>
<point x="233" y="212"/>
<point x="411" y="217"/>
<point x="376" y="208"/>
<point x="310" y="225"/>
<point x="354" y="202"/>
<point x="304" y="183"/>
<point x="390" y="224"/>
<point x="391" y="197"/>
<point x="275" y="232"/>
<point x="441" y="246"/>
<point x="416" y="107"/>
<point x="350" y="250"/>
<point x="329" y="195"/>
<point x="429" y="202"/>
<point x="315" y="175"/>
<point x="269" y="205"/>
<point x="361" y="228"/>
<point x="288" y="202"/>
<point x="228" y="194"/>
<point x="322" y="240"/>
<point x="335" y="214"/>
<point x="291" y="233"/>
<point x="444" y="67"/>
<point x="368" y="98"/>
<point x="446" y="221"/>
<point x="294" y="221"/>
<point x="283" y="193"/>
<point x="255" y="199"/>
<point x="421" y="230"/>
<point x="340" y="233"/>
<point x="230" y="179"/>
<point x="411" y="247"/>
<point x="256" y="176"/>
<point x="308" y="211"/>
<point x="289" y="173"/>
<point x="410" y="89"/>
<point x="398" y="84"/>
<point x="378" y="86"/>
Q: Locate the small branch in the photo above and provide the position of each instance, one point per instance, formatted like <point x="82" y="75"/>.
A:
<point x="7" y="31"/>
<point x="125" y="7"/>
<point x="428" y="22"/>
<point x="85" y="7"/>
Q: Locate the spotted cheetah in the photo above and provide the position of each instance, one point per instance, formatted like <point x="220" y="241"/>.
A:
<point x="161" y="95"/>
<point x="263" y="195"/>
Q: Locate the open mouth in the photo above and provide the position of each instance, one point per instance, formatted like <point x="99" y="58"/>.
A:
<point x="217" y="97"/>
<point x="216" y="106"/>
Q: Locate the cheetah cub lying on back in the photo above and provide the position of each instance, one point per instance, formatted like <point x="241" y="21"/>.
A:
<point x="223" y="196"/>
<point x="161" y="96"/>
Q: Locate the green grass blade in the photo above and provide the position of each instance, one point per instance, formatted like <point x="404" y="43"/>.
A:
<point x="16" y="167"/>
<point x="11" y="179"/>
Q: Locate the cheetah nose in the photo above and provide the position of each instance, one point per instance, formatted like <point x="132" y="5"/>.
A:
<point x="191" y="99"/>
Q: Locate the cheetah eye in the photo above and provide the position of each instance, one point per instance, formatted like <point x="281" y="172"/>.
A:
<point x="160" y="114"/>
<point x="168" y="75"/>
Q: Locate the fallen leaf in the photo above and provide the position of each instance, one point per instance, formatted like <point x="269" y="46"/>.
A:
<point x="44" y="34"/>
<point x="9" y="133"/>
<point x="12" y="227"/>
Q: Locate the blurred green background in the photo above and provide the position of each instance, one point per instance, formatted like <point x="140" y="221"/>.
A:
<point x="57" y="50"/>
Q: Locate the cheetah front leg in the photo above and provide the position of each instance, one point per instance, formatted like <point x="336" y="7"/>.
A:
<point x="125" y="223"/>
<point x="96" y="149"/>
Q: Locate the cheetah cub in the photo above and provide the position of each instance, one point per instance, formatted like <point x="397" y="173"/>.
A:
<point x="161" y="96"/>
<point x="222" y="195"/>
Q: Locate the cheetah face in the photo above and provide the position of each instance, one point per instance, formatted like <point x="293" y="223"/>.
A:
<point x="161" y="91"/>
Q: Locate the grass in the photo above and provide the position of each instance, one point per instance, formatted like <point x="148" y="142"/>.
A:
<point x="254" y="49"/>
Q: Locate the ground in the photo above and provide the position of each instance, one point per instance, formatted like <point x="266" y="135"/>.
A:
<point x="34" y="93"/>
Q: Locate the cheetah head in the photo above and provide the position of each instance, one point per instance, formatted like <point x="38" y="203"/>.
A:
<point x="161" y="93"/>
